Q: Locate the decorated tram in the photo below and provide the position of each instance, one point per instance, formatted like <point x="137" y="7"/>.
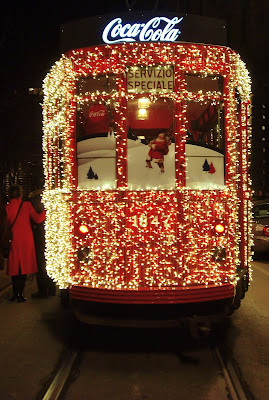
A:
<point x="146" y="141"/>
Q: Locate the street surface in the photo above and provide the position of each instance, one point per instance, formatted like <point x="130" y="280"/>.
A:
<point x="128" y="363"/>
<point x="248" y="337"/>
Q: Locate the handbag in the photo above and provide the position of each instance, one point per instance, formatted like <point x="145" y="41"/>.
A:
<point x="10" y="235"/>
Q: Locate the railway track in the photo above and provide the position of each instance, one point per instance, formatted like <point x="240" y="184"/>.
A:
<point x="65" y="375"/>
<point x="61" y="377"/>
<point x="70" y="366"/>
<point x="232" y="380"/>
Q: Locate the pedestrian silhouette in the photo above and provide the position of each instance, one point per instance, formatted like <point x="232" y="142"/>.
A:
<point x="21" y="257"/>
<point x="45" y="285"/>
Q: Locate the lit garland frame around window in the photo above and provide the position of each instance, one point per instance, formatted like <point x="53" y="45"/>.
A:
<point x="178" y="252"/>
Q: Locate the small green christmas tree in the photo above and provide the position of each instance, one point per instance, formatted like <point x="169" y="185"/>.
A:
<point x="206" y="166"/>
<point x="90" y="174"/>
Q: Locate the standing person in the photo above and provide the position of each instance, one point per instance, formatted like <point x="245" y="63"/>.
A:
<point x="45" y="285"/>
<point x="21" y="258"/>
<point x="159" y="147"/>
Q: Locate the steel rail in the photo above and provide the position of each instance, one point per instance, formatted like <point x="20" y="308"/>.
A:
<point x="57" y="385"/>
<point x="232" y="381"/>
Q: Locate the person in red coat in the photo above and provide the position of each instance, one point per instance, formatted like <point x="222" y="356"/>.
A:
<point x="158" y="149"/>
<point x="22" y="257"/>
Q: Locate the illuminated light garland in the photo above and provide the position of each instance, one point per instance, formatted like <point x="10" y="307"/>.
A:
<point x="126" y="252"/>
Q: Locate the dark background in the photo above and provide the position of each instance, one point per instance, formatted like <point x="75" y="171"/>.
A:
<point x="30" y="45"/>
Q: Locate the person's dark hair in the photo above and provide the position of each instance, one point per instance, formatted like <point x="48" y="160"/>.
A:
<point x="15" y="191"/>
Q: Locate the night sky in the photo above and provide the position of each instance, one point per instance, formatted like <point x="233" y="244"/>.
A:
<point x="29" y="43"/>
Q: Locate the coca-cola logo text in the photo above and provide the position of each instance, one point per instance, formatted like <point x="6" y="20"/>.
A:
<point x="157" y="29"/>
<point x="95" y="114"/>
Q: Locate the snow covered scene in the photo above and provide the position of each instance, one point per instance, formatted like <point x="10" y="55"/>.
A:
<point x="205" y="168"/>
<point x="97" y="166"/>
<point x="142" y="177"/>
<point x="97" y="163"/>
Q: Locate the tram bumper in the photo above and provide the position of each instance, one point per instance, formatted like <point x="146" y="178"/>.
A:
<point x="198" y="307"/>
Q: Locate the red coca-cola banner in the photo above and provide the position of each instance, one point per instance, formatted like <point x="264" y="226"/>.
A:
<point x="97" y="113"/>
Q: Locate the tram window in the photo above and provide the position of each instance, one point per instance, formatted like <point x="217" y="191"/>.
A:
<point x="99" y="84"/>
<point x="95" y="119"/>
<point x="205" y="124"/>
<point x="150" y="143"/>
<point x="196" y="83"/>
<point x="96" y="145"/>
<point x="205" y="144"/>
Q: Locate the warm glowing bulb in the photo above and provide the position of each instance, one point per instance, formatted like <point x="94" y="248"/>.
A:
<point x="143" y="102"/>
<point x="83" y="229"/>
<point x="219" y="228"/>
<point x="142" y="113"/>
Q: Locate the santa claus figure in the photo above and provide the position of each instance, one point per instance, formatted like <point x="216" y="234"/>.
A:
<point x="159" y="147"/>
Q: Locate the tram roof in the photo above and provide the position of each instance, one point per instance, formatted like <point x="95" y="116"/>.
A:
<point x="177" y="27"/>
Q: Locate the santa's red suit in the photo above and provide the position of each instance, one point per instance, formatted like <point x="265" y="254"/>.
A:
<point x="158" y="149"/>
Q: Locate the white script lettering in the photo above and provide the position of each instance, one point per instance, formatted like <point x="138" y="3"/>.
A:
<point x="116" y="32"/>
<point x="100" y="113"/>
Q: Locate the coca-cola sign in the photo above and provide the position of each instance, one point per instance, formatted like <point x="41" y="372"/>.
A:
<point x="157" y="29"/>
<point x="94" y="114"/>
<point x="144" y="27"/>
<point x="97" y="113"/>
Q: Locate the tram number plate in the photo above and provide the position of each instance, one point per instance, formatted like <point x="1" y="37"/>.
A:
<point x="145" y="221"/>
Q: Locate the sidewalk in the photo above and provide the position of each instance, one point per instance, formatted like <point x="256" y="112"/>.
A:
<point x="5" y="280"/>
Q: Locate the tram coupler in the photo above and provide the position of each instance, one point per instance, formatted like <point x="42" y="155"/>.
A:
<point x="199" y="327"/>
